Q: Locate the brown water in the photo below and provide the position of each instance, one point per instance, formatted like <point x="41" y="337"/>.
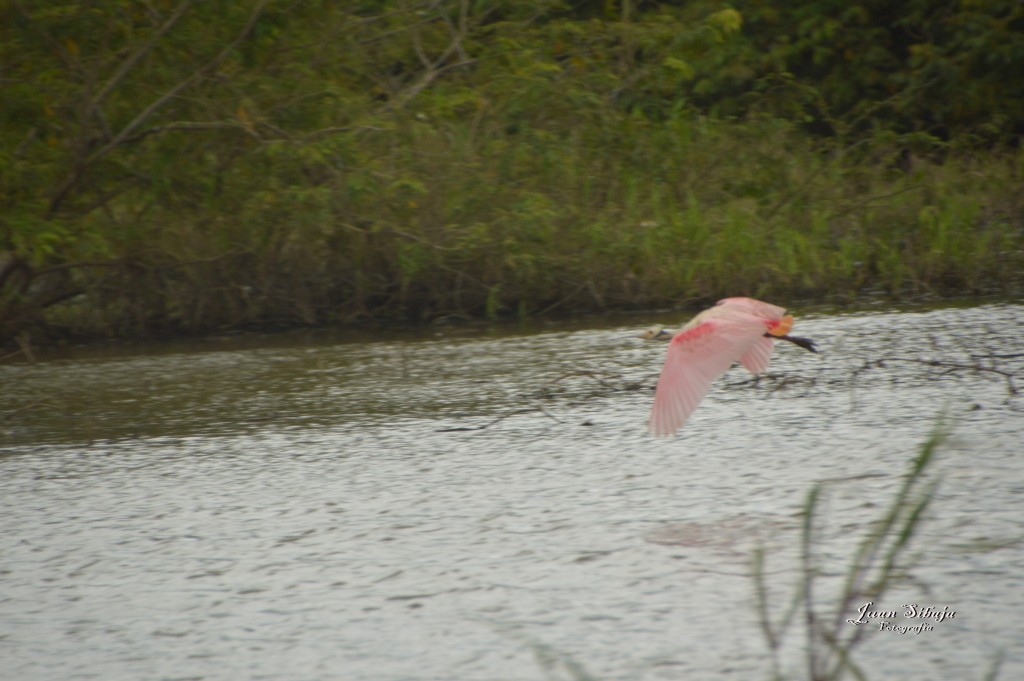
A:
<point x="485" y="506"/>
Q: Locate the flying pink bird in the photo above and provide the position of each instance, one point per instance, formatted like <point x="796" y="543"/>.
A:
<point x="736" y="329"/>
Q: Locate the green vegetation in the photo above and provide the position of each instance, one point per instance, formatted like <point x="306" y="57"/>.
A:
<point x="835" y="630"/>
<point x="182" y="166"/>
<point x="832" y="627"/>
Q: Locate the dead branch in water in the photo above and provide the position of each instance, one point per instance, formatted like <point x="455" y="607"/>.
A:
<point x="518" y="412"/>
<point x="953" y="367"/>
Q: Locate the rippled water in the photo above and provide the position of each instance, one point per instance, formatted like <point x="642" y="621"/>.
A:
<point x="489" y="507"/>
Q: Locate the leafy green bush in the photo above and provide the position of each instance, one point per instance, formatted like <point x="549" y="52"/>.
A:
<point x="185" y="167"/>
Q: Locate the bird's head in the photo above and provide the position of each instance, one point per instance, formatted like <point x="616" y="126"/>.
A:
<point x="656" y="333"/>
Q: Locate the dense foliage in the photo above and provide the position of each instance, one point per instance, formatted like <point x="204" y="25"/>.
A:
<point x="189" y="166"/>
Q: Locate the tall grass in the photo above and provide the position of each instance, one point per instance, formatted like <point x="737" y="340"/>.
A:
<point x="830" y="640"/>
<point x="477" y="219"/>
<point x="879" y="560"/>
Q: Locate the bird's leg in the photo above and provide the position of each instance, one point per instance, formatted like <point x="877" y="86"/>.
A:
<point x="805" y="343"/>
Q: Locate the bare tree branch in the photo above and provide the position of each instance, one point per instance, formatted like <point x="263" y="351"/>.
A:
<point x="132" y="60"/>
<point x="126" y="132"/>
<point x="160" y="101"/>
<point x="438" y="66"/>
<point x="190" y="125"/>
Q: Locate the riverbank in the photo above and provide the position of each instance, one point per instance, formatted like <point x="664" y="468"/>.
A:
<point x="740" y="210"/>
<point x="231" y="174"/>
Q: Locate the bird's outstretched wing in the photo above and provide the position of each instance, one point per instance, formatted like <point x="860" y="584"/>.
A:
<point x="755" y="360"/>
<point x="697" y="356"/>
<point x="758" y="308"/>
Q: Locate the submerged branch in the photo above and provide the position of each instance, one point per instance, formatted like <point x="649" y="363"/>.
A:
<point x="958" y="366"/>
<point x="518" y="412"/>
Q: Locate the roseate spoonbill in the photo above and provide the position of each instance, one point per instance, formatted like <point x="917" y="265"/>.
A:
<point x="736" y="329"/>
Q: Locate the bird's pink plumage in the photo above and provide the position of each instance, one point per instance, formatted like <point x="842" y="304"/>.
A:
<point x="729" y="332"/>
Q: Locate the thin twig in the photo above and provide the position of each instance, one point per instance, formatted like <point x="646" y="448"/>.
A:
<point x="956" y="366"/>
<point x="129" y="129"/>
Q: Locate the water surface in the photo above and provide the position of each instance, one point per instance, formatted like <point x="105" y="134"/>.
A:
<point x="487" y="506"/>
